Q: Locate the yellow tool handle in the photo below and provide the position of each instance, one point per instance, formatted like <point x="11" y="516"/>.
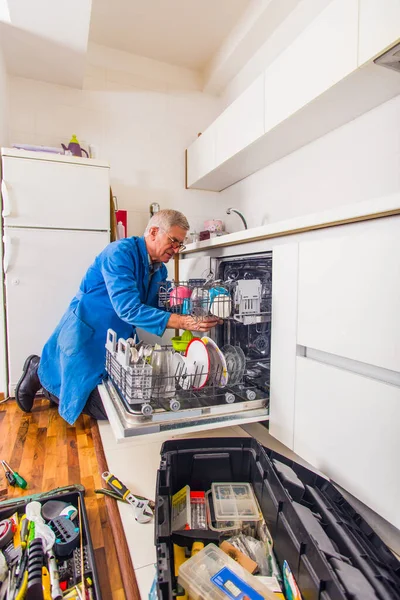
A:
<point x="116" y="485"/>
<point x="23" y="588"/>
<point x="46" y="584"/>
<point x="197" y="546"/>
<point x="179" y="559"/>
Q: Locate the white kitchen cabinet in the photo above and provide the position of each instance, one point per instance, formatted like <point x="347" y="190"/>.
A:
<point x="241" y="123"/>
<point x="47" y="192"/>
<point x="324" y="54"/>
<point x="283" y="342"/>
<point x="349" y="297"/>
<point x="38" y="289"/>
<point x="201" y="156"/>
<point x="379" y="27"/>
<point x="346" y="425"/>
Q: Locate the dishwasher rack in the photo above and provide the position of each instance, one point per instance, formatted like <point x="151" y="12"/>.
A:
<point x="245" y="301"/>
<point x="146" y="387"/>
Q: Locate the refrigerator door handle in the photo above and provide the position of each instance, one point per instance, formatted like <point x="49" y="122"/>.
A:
<point x="7" y="253"/>
<point x="6" y="199"/>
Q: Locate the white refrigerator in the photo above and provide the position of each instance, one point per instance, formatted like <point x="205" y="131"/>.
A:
<point x="55" y="220"/>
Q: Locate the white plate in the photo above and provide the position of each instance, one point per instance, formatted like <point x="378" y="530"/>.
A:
<point x="218" y="369"/>
<point x="178" y="365"/>
<point x="198" y="363"/>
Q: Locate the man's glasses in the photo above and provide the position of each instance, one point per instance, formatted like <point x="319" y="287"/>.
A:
<point x="176" y="244"/>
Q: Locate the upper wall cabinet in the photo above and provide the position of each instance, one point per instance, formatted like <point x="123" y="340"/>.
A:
<point x="241" y="123"/>
<point x="324" y="54"/>
<point x="324" y="79"/>
<point x="201" y="156"/>
<point x="379" y="27"/>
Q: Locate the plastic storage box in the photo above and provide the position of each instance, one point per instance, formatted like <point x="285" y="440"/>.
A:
<point x="71" y="495"/>
<point x="332" y="552"/>
<point x="234" y="502"/>
<point x="212" y="564"/>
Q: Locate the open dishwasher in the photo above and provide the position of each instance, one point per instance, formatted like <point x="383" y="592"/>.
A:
<point x="195" y="383"/>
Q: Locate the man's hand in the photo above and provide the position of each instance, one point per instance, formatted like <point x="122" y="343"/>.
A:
<point x="191" y="324"/>
<point x="204" y="324"/>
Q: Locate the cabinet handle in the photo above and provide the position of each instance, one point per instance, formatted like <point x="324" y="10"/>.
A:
<point x="6" y="199"/>
<point x="7" y="253"/>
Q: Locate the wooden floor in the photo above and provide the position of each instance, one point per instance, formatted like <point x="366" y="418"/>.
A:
<point x="49" y="453"/>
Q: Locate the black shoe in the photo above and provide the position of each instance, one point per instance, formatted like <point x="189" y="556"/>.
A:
<point x="29" y="384"/>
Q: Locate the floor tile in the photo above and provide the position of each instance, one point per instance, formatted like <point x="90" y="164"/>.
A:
<point x="145" y="578"/>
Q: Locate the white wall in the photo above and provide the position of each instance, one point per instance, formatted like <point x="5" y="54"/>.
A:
<point x="3" y="142"/>
<point x="3" y="101"/>
<point x="140" y="115"/>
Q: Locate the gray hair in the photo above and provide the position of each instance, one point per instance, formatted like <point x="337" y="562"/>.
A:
<point x="167" y="218"/>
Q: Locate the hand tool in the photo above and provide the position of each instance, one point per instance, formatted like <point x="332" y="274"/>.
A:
<point x="46" y="584"/>
<point x="52" y="509"/>
<point x="6" y="532"/>
<point x="21" y="593"/>
<point x="116" y="496"/>
<point x="35" y="564"/>
<point x="24" y="523"/>
<point x="142" y="510"/>
<point x="19" y="480"/>
<point x="56" y="592"/>
<point x="67" y="536"/>
<point x="81" y="546"/>
<point x="9" y="476"/>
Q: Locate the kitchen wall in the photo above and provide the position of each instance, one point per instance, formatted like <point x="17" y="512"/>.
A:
<point x="139" y="114"/>
<point x="3" y="101"/>
<point x="3" y="142"/>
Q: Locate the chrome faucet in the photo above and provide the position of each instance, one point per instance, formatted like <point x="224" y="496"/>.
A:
<point x="231" y="210"/>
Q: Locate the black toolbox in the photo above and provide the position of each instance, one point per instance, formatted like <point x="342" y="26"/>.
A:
<point x="332" y="552"/>
<point x="73" y="494"/>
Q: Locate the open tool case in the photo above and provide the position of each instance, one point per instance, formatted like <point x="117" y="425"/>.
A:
<point x="332" y="552"/>
<point x="70" y="564"/>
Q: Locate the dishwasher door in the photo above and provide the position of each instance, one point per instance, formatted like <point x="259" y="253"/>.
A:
<point x="249" y="327"/>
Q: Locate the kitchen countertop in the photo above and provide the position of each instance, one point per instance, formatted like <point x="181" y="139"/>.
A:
<point x="349" y="213"/>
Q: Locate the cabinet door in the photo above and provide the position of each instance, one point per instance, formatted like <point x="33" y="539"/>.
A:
<point x="379" y="27"/>
<point x="201" y="156"/>
<point x="347" y="425"/>
<point x="323" y="54"/>
<point x="349" y="296"/>
<point x="241" y="123"/>
<point x="283" y="342"/>
<point x="45" y="193"/>
<point x="43" y="270"/>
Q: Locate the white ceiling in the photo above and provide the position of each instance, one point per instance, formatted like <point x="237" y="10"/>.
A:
<point x="181" y="32"/>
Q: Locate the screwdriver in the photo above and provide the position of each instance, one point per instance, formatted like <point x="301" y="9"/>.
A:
<point x="19" y="481"/>
<point x="9" y="476"/>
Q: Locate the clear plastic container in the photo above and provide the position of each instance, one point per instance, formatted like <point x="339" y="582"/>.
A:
<point x="230" y="527"/>
<point x="234" y="502"/>
<point x="212" y="574"/>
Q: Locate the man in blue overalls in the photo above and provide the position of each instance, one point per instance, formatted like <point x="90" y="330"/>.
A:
<point x="120" y="292"/>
